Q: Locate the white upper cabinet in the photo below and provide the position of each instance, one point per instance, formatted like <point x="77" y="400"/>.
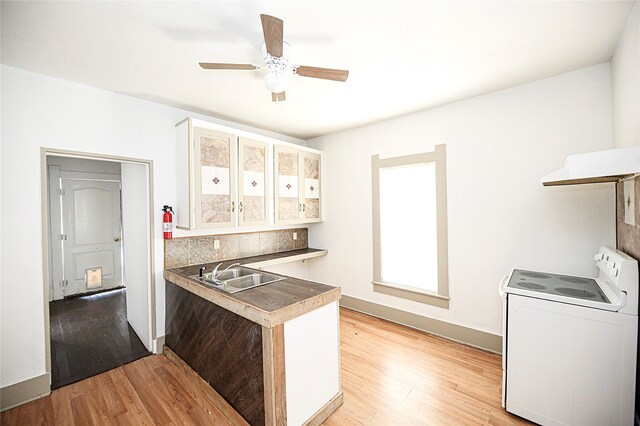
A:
<point x="206" y="177"/>
<point x="253" y="195"/>
<point x="297" y="185"/>
<point x="311" y="200"/>
<point x="287" y="185"/>
<point x="227" y="178"/>
<point x="215" y="178"/>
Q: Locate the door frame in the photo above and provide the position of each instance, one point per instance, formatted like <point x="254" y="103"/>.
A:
<point x="44" y="193"/>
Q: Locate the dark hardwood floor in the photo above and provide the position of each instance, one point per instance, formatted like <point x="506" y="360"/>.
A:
<point x="90" y="335"/>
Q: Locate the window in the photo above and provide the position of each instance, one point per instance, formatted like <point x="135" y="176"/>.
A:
<point x="410" y="227"/>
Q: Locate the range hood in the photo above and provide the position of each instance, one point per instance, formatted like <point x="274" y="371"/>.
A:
<point x="611" y="165"/>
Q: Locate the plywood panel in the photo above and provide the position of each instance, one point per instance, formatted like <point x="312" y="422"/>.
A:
<point x="222" y="347"/>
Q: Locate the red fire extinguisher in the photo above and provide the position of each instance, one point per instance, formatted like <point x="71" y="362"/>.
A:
<point x="167" y="222"/>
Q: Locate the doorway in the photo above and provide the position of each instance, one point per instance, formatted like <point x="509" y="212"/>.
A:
<point x="100" y="312"/>
<point x="85" y="218"/>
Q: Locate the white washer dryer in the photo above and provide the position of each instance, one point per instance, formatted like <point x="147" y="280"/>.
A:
<point x="570" y="344"/>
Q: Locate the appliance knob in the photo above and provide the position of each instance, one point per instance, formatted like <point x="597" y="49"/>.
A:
<point x="611" y="265"/>
<point x="598" y="257"/>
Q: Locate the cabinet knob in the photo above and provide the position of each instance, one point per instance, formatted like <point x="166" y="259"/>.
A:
<point x="240" y="207"/>
<point x="233" y="206"/>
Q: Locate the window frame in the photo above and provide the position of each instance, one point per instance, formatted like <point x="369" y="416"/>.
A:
<point x="441" y="297"/>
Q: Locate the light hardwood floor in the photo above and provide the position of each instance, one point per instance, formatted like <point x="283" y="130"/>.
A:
<point x="391" y="375"/>
<point x="395" y="375"/>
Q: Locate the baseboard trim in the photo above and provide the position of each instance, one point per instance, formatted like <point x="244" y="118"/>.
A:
<point x="25" y="391"/>
<point x="322" y="414"/>
<point x="468" y="336"/>
<point x="159" y="345"/>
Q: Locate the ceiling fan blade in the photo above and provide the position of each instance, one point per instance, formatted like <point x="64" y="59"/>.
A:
<point x="324" y="73"/>
<point x="272" y="28"/>
<point x="218" y="66"/>
<point x="278" y="97"/>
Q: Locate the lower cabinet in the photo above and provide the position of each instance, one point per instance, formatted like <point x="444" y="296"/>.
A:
<point x="285" y="374"/>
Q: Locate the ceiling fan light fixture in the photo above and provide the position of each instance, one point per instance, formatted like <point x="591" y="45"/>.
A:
<point x="277" y="62"/>
<point x="276" y="81"/>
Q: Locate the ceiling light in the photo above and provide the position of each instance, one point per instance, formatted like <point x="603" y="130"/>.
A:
<point x="276" y="81"/>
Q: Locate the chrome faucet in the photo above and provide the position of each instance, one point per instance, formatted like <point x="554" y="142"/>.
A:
<point x="233" y="264"/>
<point x="214" y="273"/>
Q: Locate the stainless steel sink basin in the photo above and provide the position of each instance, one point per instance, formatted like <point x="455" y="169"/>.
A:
<point x="249" y="281"/>
<point x="238" y="279"/>
<point x="231" y="273"/>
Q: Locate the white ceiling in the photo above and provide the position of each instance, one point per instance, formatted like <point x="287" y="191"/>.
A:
<point x="403" y="56"/>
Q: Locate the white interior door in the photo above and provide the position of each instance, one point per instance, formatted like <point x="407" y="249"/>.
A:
<point x="91" y="235"/>
<point x="56" y="263"/>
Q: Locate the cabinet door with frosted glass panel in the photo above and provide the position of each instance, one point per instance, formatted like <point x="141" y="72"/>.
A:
<point x="311" y="207"/>
<point x="297" y="185"/>
<point x="253" y="172"/>
<point x="287" y="185"/>
<point x="215" y="177"/>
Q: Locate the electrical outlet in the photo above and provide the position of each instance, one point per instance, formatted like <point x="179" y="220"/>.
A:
<point x="295" y="236"/>
<point x="216" y="244"/>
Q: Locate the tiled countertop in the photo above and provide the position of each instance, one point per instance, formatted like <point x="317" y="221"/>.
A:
<point x="267" y="305"/>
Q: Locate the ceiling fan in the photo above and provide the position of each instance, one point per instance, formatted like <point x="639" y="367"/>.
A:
<point x="276" y="52"/>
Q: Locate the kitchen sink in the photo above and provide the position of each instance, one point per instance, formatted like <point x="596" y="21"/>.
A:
<point x="231" y="273"/>
<point x="234" y="280"/>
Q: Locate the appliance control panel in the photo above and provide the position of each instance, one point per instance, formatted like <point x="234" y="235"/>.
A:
<point x="621" y="270"/>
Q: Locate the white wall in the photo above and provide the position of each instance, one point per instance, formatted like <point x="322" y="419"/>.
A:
<point x="298" y="269"/>
<point x="40" y="111"/>
<point x="498" y="147"/>
<point x="625" y="74"/>
<point x="135" y="247"/>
